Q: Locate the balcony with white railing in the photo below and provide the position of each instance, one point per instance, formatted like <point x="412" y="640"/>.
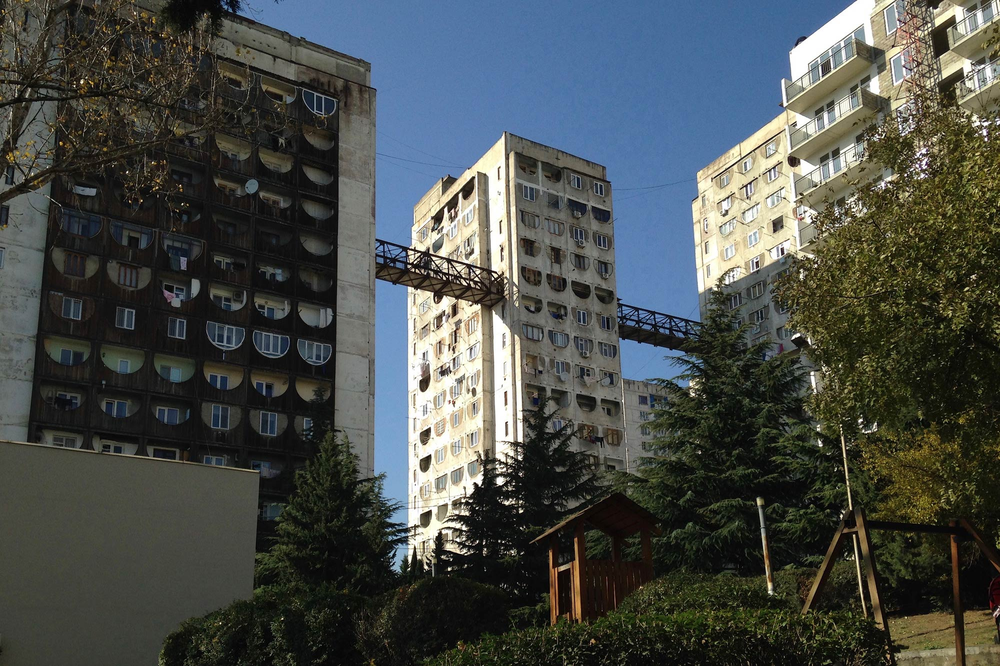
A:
<point x="848" y="62"/>
<point x="830" y="176"/>
<point x="979" y="88"/>
<point x="969" y="36"/>
<point x="834" y="123"/>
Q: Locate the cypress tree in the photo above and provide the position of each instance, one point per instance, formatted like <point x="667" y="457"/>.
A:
<point x="336" y="529"/>
<point x="734" y="429"/>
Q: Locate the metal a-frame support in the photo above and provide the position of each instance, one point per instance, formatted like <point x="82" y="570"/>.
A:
<point x="855" y="523"/>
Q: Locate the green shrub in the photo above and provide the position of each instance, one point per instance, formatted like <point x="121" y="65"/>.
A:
<point x="681" y="591"/>
<point x="432" y="615"/>
<point x="840" y="592"/>
<point x="719" y="638"/>
<point x="276" y="627"/>
<point x="538" y="615"/>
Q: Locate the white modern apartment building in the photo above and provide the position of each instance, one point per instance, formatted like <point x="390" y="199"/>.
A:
<point x="642" y="399"/>
<point x="543" y="219"/>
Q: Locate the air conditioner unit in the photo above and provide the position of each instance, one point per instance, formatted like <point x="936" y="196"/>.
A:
<point x="585" y="354"/>
<point x="604" y="274"/>
<point x="581" y="242"/>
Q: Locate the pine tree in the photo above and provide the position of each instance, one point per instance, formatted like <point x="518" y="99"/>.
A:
<point x="404" y="569"/>
<point x="545" y="480"/>
<point x="336" y="529"/>
<point x="735" y="429"/>
<point x="441" y="556"/>
<point x="484" y="531"/>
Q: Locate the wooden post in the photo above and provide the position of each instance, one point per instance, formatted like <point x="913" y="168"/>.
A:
<point x="956" y="592"/>
<point x="647" y="554"/>
<point x="554" y="578"/>
<point x="617" y="579"/>
<point x="988" y="550"/>
<point x="825" y="568"/>
<point x="581" y="602"/>
<point x="874" y="583"/>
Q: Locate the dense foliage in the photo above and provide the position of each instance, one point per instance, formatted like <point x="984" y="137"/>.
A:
<point x="336" y="529"/>
<point x="734" y="429"/>
<point x="720" y="638"/>
<point x="292" y="626"/>
<point x="899" y="301"/>
<point x="430" y="616"/>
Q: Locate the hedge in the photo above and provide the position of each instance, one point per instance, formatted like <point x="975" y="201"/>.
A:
<point x="717" y="638"/>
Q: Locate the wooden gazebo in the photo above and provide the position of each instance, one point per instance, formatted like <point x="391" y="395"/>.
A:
<point x="583" y="590"/>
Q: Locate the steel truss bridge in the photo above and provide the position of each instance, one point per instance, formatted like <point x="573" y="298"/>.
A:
<point x="439" y="275"/>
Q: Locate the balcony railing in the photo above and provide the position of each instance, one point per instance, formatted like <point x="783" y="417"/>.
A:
<point x="968" y="35"/>
<point x="830" y="170"/>
<point x="849" y="106"/>
<point x="850" y="52"/>
<point x="976" y="83"/>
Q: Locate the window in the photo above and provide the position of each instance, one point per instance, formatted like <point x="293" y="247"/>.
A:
<point x="3" y="251"/>
<point x="576" y="181"/>
<point x="224" y="336"/>
<point x="598" y="188"/>
<point x="456" y="419"/>
<point x="530" y="220"/>
<point x="168" y="415"/>
<point x="124" y="366"/>
<point x="775" y="198"/>
<point x="473" y="351"/>
<point x="608" y="350"/>
<point x="177" y="328"/>
<point x="441" y="482"/>
<point x="604" y="268"/>
<point x="753" y="238"/>
<point x="70" y="357"/>
<point x="474" y="409"/>
<point x="266" y="389"/>
<point x="780" y="250"/>
<point x="735" y="301"/>
<point x="777" y="224"/>
<point x="579" y="235"/>
<point x="704" y="224"/>
<point x="708" y="271"/>
<point x="725" y="178"/>
<point x="901" y="66"/>
<point x="726" y="204"/>
<point x="727" y="227"/>
<point x="706" y="247"/>
<point x="72" y="308"/>
<point x="579" y="261"/>
<point x="893" y="13"/>
<point x="116" y="408"/>
<point x="125" y="318"/>
<point x="8" y="176"/>
<point x="80" y="224"/>
<point x="439" y="400"/>
<point x="456" y="447"/>
<point x="771" y="148"/>
<point x="755" y="264"/>
<point x="607" y="323"/>
<point x="583" y="345"/>
<point x="583" y="317"/>
<point x="271" y="345"/>
<point x="758" y="316"/>
<point x="529" y="193"/>
<point x="219" y="461"/>
<point x="321" y="105"/>
<point x="746" y="164"/>
<point x="558" y="339"/>
<point x="64" y="441"/>
<point x="164" y="454"/>
<point x="74" y="265"/>
<point x="536" y="333"/>
<point x="729" y="252"/>
<point x="220" y="417"/>
<point x="314" y="353"/>
<point x="268" y="424"/>
<point x="128" y="276"/>
<point x="112" y="448"/>
<point x="456" y="476"/>
<point x="784" y="333"/>
<point x="602" y="241"/>
<point x="772" y="174"/>
<point x="66" y="401"/>
<point x="749" y="189"/>
<point x="757" y="289"/>
<point x="750" y="214"/>
<point x="555" y="227"/>
<point x="473" y="439"/>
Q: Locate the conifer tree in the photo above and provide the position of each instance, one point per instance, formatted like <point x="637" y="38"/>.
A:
<point x="404" y="569"/>
<point x="734" y="429"/>
<point x="416" y="566"/>
<point x="336" y="529"/>
<point x="484" y="531"/>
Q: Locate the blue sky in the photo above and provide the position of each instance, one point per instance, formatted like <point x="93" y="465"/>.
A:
<point x="653" y="90"/>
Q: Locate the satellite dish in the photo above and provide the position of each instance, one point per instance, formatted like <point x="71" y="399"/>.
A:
<point x="251" y="186"/>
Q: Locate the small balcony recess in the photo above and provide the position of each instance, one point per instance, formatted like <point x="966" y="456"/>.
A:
<point x="969" y="36"/>
<point x="843" y="64"/>
<point x="835" y="122"/>
<point x="829" y="176"/>
<point x="979" y="88"/>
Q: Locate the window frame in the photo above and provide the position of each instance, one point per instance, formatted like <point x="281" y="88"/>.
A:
<point x="125" y="316"/>
<point x="272" y="423"/>
<point x="75" y="307"/>
<point x="221" y="416"/>
<point x="179" y="325"/>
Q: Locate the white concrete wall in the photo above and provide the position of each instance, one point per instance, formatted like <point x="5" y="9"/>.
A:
<point x="104" y="555"/>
